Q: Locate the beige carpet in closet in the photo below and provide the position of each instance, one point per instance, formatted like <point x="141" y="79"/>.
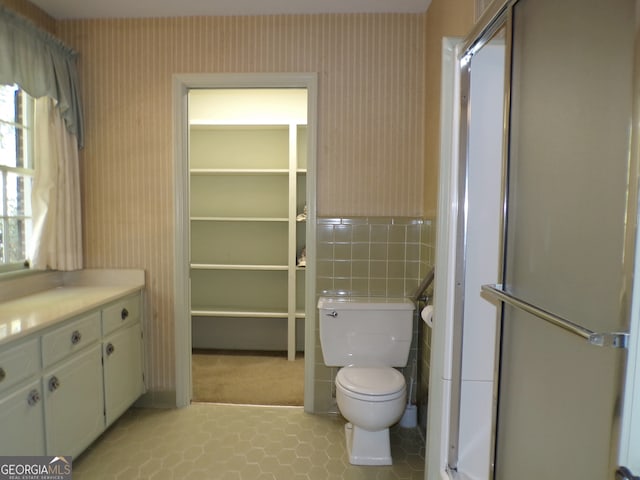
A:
<point x="250" y="378"/>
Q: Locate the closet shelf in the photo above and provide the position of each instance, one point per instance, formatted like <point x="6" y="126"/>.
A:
<point x="238" y="313"/>
<point x="242" y="126"/>
<point x="239" y="219"/>
<point x="223" y="266"/>
<point x="239" y="171"/>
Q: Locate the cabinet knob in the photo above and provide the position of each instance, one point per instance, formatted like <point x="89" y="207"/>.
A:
<point x="54" y="384"/>
<point x="124" y="314"/>
<point x="76" y="336"/>
<point x="3" y="374"/>
<point x="33" y="398"/>
<point x="110" y="348"/>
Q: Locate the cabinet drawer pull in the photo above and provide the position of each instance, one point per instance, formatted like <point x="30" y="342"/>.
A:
<point x="76" y="336"/>
<point x="110" y="348"/>
<point x="3" y="374"/>
<point x="33" y="398"/>
<point x="54" y="384"/>
<point x="124" y="314"/>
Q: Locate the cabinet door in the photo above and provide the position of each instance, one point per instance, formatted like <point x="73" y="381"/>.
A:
<point x="74" y="403"/>
<point x="22" y="422"/>
<point x="123" y="382"/>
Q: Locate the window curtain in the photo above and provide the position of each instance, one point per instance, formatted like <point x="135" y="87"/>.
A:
<point x="46" y="69"/>
<point x="42" y="66"/>
<point x="55" y="202"/>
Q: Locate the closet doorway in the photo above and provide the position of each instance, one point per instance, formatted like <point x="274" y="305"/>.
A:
<point x="249" y="213"/>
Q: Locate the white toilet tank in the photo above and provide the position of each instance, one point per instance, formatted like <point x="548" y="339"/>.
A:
<point x="365" y="331"/>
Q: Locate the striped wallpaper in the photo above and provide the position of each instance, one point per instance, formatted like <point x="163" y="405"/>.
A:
<point x="370" y="129"/>
<point x="371" y="89"/>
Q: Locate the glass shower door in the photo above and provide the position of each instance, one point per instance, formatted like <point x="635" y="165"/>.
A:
<point x="566" y="244"/>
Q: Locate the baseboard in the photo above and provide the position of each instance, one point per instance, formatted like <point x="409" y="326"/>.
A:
<point x="157" y="399"/>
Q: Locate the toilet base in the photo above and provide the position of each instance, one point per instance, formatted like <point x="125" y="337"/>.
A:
<point x="367" y="448"/>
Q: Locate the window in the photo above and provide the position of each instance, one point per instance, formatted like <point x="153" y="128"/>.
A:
<point x="16" y="176"/>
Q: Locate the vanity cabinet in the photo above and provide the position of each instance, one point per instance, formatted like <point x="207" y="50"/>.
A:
<point x="247" y="204"/>
<point x="61" y="386"/>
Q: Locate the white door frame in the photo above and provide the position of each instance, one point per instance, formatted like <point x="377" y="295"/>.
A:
<point x="440" y="376"/>
<point x="182" y="83"/>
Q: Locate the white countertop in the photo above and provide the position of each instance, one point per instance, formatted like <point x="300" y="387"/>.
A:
<point x="28" y="314"/>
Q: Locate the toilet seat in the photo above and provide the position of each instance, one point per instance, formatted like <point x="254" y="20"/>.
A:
<point x="371" y="384"/>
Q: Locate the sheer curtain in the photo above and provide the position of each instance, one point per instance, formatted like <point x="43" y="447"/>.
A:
<point x="57" y="225"/>
<point x="46" y="69"/>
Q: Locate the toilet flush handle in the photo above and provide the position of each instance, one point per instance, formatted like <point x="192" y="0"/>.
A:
<point x="333" y="314"/>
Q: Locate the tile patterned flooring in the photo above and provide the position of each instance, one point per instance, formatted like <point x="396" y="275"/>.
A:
<point x="234" y="442"/>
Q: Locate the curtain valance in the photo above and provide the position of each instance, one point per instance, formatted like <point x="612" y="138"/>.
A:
<point x="42" y="66"/>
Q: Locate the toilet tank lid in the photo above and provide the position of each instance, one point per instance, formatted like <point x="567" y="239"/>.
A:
<point x="366" y="303"/>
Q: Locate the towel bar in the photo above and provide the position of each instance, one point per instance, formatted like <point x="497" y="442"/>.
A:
<point x="609" y="339"/>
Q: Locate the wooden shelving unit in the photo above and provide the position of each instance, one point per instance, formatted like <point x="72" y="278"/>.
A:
<point x="247" y="187"/>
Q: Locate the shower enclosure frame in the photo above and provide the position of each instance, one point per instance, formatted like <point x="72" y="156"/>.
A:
<point x="445" y="390"/>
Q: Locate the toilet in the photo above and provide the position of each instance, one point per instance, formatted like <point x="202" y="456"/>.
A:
<point x="367" y="337"/>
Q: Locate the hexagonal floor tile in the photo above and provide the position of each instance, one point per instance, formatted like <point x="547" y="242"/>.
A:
<point x="211" y="441"/>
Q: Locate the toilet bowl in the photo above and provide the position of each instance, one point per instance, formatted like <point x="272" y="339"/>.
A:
<point x="371" y="400"/>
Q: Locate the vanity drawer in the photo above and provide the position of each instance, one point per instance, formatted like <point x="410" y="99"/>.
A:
<point x="71" y="338"/>
<point x="18" y="363"/>
<point x="121" y="313"/>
